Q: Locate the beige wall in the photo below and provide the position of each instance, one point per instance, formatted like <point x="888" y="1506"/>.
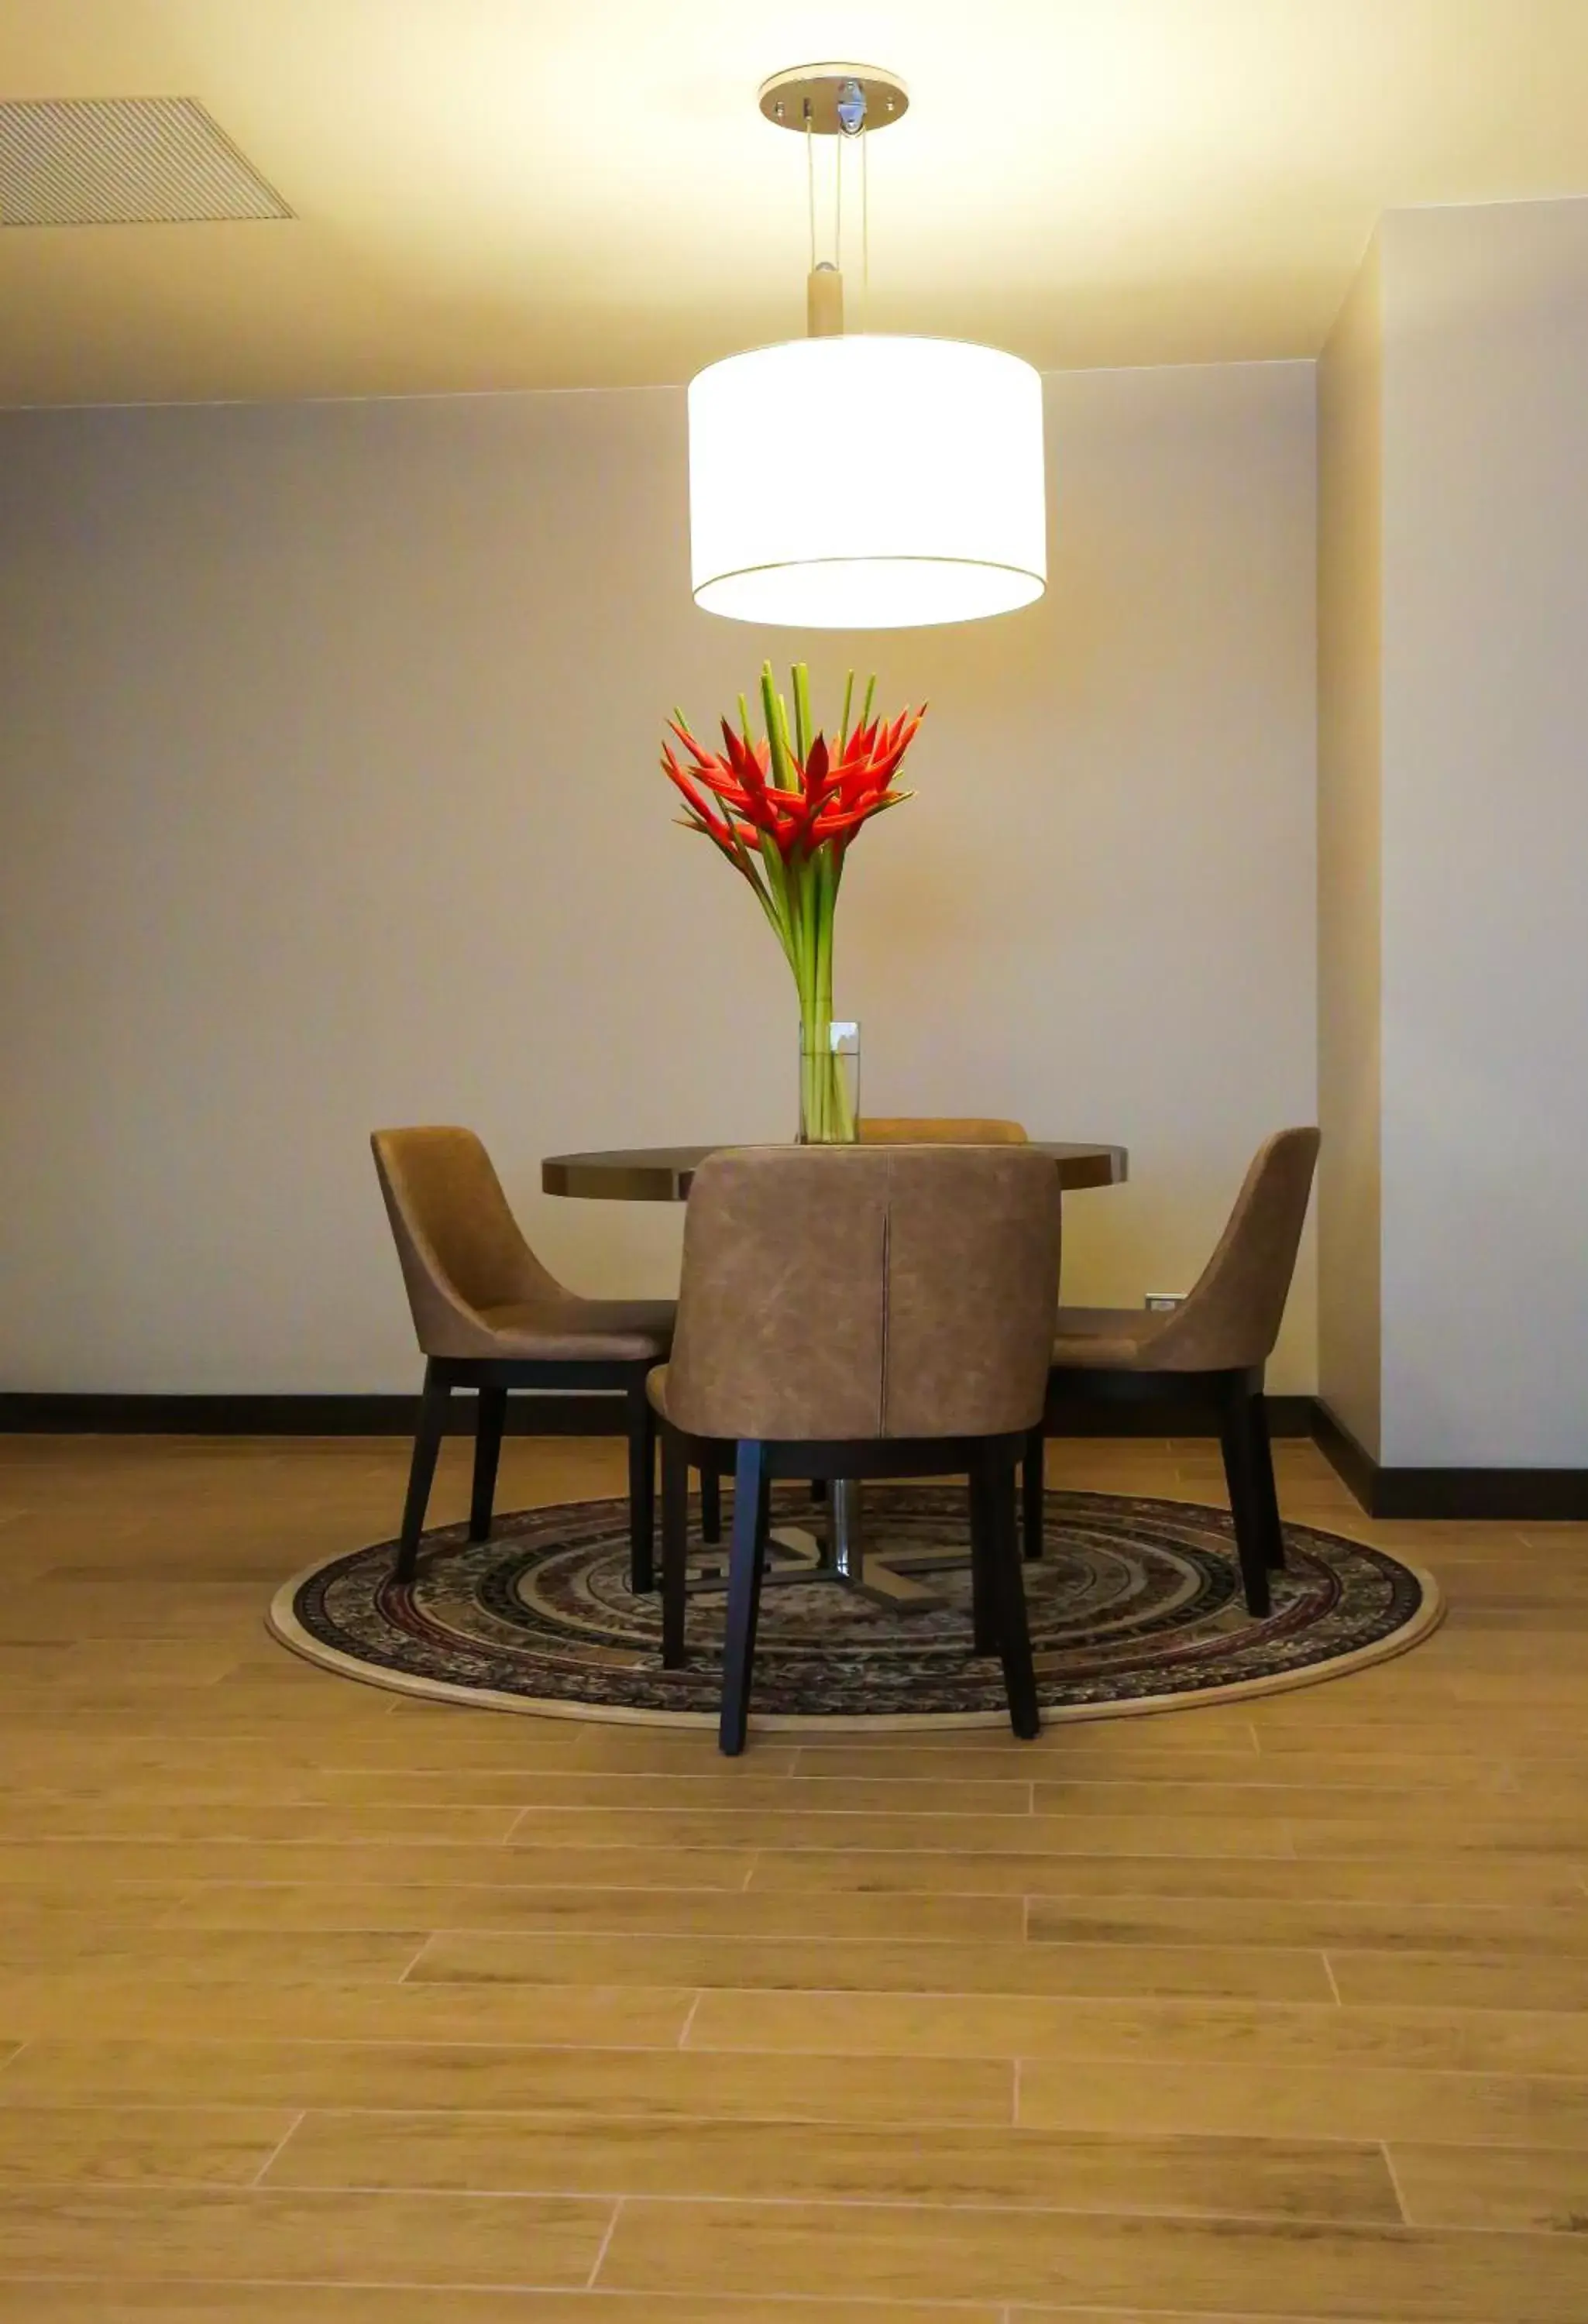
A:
<point x="1485" y="836"/>
<point x="1454" y="841"/>
<point x="1350" y="905"/>
<point x="329" y="800"/>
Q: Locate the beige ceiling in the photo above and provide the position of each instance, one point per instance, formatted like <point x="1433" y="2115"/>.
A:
<point x="508" y="193"/>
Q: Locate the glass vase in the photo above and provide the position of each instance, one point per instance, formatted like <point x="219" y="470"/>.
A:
<point x="829" y="1082"/>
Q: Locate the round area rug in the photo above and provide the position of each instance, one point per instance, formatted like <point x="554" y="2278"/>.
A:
<point x="1135" y="1606"/>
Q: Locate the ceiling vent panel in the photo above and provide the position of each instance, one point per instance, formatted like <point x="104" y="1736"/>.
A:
<point x="125" y="161"/>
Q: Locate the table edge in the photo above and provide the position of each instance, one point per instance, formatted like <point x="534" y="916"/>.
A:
<point x="590" y="1177"/>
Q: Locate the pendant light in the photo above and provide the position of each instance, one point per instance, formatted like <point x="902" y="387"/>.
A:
<point x="863" y="481"/>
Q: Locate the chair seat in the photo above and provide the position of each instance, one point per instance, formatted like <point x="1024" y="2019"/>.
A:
<point x="1105" y="1339"/>
<point x="1219" y="1338"/>
<point x="577" y="1330"/>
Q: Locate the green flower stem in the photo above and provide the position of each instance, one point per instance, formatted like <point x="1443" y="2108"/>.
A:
<point x="826" y="1111"/>
<point x="798" y="895"/>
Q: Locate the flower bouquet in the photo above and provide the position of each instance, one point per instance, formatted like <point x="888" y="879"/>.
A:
<point x="784" y="808"/>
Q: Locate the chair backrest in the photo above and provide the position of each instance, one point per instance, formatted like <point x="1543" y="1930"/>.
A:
<point x="881" y="1130"/>
<point x="834" y="1294"/>
<point x="1231" y="1319"/>
<point x="459" y="1244"/>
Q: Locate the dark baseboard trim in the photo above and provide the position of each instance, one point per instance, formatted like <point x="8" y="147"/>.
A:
<point x="587" y="1414"/>
<point x="1502" y="1495"/>
<point x="578" y="1414"/>
<point x="1490" y="1496"/>
<point x="1352" y="1462"/>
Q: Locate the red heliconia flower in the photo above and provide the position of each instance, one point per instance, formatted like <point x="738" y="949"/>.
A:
<point x="784" y="811"/>
<point x="857" y="782"/>
<point x="733" y="800"/>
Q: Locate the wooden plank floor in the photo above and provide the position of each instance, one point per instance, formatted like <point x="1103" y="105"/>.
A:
<point x="316" y="2004"/>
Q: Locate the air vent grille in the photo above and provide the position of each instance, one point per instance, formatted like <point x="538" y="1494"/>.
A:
<point x="124" y="160"/>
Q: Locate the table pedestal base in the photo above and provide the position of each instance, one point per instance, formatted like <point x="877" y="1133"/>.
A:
<point x="847" y="1531"/>
<point x="842" y="1558"/>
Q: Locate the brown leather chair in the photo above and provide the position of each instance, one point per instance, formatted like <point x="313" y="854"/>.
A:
<point x="846" y="1312"/>
<point x="489" y="1317"/>
<point x="878" y="1130"/>
<point x="1216" y="1342"/>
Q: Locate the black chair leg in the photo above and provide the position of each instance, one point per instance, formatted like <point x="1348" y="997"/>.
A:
<point x="818" y="1489"/>
<point x="1003" y="1565"/>
<point x="1238" y="1433"/>
<point x="746" y="1561"/>
<point x="434" y="1398"/>
<point x="488" y="1427"/>
<point x="1267" y="1499"/>
<point x="711" y="1507"/>
<point x="675" y="1547"/>
<point x="1033" y="1485"/>
<point x="641" y="1421"/>
<point x="983" y="1590"/>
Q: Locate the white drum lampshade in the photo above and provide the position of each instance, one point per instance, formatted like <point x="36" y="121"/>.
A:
<point x="866" y="483"/>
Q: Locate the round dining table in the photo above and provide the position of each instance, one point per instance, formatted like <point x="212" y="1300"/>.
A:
<point x="663" y="1174"/>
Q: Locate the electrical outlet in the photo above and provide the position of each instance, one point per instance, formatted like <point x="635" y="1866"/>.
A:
<point x="1162" y="1303"/>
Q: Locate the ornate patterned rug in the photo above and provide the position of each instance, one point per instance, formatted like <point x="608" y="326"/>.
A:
<point x="1135" y="1606"/>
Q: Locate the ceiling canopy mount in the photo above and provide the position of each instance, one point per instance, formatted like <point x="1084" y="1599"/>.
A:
<point x="834" y="100"/>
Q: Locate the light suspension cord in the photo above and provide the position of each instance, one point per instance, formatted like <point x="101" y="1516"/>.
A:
<point x="865" y="234"/>
<point x="840" y="142"/>
<point x="810" y="179"/>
